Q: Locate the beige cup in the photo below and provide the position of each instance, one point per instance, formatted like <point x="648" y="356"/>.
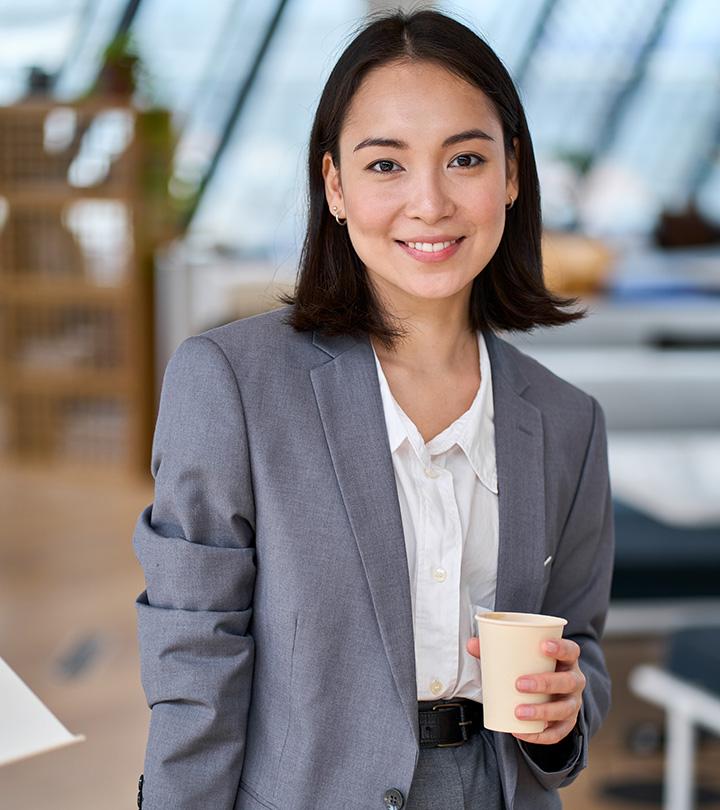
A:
<point x="510" y="646"/>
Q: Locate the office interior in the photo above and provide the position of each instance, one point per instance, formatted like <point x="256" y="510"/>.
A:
<point x="152" y="159"/>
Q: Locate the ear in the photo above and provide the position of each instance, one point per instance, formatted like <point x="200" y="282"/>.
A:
<point x="512" y="187"/>
<point x="333" y="184"/>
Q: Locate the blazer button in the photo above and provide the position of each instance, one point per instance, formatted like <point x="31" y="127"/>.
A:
<point x="393" y="798"/>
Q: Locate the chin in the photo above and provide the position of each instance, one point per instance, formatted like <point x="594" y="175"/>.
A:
<point x="437" y="293"/>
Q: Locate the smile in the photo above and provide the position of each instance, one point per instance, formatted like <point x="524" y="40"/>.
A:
<point x="431" y="251"/>
<point x="430" y="247"/>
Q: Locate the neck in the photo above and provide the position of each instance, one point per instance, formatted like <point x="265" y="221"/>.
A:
<point x="439" y="340"/>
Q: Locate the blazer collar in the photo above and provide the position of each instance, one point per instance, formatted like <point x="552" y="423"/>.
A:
<point x="349" y="400"/>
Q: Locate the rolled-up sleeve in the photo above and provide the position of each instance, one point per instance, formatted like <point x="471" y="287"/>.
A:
<point x="195" y="544"/>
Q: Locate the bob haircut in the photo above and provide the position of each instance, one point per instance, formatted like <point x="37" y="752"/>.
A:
<point x="332" y="292"/>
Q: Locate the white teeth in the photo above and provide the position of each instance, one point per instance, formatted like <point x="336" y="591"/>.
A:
<point x="430" y="247"/>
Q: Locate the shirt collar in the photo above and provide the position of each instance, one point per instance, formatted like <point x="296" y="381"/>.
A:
<point x="473" y="432"/>
<point x="396" y="430"/>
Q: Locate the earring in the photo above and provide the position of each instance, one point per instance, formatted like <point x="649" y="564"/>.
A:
<point x="335" y="208"/>
<point x="512" y="202"/>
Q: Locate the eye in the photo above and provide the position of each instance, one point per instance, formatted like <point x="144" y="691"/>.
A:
<point x="467" y="165"/>
<point x="381" y="162"/>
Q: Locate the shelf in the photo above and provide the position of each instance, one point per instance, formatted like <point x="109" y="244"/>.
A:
<point x="90" y="106"/>
<point x="76" y="279"/>
<point x="120" y="383"/>
<point x="36" y="291"/>
<point x="47" y="197"/>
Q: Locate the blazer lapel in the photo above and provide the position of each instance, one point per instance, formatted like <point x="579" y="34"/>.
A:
<point x="350" y="404"/>
<point x="521" y="485"/>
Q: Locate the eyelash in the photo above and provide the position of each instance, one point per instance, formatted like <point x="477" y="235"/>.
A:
<point x="387" y="160"/>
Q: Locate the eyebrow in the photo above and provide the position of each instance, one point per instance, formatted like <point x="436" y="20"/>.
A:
<point x="466" y="135"/>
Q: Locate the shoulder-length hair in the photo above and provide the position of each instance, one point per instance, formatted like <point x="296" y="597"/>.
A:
<point x="332" y="291"/>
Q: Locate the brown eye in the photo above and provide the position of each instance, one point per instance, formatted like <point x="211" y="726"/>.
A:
<point x="470" y="166"/>
<point x="382" y="163"/>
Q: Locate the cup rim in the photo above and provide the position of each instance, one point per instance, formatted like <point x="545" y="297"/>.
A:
<point x="491" y="618"/>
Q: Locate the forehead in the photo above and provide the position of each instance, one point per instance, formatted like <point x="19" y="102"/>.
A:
<point x="419" y="97"/>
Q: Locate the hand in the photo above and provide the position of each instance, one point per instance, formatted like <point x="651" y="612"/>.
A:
<point x="565" y="686"/>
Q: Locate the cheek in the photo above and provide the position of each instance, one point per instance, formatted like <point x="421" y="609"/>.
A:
<point x="487" y="204"/>
<point x="371" y="212"/>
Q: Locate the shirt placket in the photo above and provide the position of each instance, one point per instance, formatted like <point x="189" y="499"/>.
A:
<point x="439" y="564"/>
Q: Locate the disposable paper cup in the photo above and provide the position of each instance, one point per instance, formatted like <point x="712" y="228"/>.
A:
<point x="510" y="646"/>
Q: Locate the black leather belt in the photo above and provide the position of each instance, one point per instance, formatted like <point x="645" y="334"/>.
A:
<point x="447" y="723"/>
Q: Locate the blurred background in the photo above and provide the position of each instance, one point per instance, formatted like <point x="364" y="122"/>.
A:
<point x="152" y="170"/>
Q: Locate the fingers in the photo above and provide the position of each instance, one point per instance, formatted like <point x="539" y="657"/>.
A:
<point x="564" y="649"/>
<point x="473" y="646"/>
<point x="552" y="683"/>
<point x="553" y="711"/>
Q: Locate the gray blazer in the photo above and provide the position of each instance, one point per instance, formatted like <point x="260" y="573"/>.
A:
<point x="275" y="630"/>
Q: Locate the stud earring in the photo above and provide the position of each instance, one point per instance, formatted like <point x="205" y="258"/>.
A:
<point x="337" y="219"/>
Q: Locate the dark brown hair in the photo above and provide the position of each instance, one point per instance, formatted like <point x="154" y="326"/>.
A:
<point x="332" y="292"/>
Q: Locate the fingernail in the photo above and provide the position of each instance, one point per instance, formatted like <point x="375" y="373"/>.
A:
<point x="526" y="683"/>
<point x="551" y="646"/>
<point x="525" y="711"/>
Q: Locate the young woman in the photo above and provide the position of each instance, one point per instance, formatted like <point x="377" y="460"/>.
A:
<point x="341" y="482"/>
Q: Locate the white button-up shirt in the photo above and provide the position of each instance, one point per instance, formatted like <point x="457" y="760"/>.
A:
<point x="447" y="490"/>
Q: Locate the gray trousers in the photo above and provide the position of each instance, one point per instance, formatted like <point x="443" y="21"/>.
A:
<point x="465" y="777"/>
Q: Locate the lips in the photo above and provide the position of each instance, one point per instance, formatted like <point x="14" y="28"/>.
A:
<point x="438" y="254"/>
<point x="437" y="244"/>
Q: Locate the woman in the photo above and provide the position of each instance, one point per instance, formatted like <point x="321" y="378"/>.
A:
<point x="342" y="481"/>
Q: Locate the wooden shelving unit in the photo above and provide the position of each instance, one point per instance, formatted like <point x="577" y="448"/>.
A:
<point x="83" y="204"/>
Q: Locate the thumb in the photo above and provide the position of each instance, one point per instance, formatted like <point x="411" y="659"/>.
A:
<point x="473" y="646"/>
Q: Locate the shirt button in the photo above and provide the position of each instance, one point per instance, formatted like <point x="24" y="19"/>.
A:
<point x="431" y="472"/>
<point x="440" y="574"/>
<point x="436" y="687"/>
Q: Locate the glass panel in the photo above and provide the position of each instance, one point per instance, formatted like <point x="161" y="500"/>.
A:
<point x="669" y="127"/>
<point x="507" y="27"/>
<point x="177" y="43"/>
<point x="586" y="54"/>
<point x="205" y="108"/>
<point x="671" y="122"/>
<point x="34" y="33"/>
<point x="96" y="26"/>
<point x="254" y="202"/>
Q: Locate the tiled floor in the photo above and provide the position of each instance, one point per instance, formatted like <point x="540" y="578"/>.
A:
<point x="68" y="579"/>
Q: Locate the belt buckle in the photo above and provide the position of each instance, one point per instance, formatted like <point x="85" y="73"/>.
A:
<point x="462" y="723"/>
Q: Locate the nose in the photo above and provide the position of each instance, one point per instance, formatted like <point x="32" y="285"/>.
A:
<point x="429" y="197"/>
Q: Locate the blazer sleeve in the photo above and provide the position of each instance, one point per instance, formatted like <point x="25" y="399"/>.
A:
<point x="195" y="544"/>
<point x="579" y="590"/>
